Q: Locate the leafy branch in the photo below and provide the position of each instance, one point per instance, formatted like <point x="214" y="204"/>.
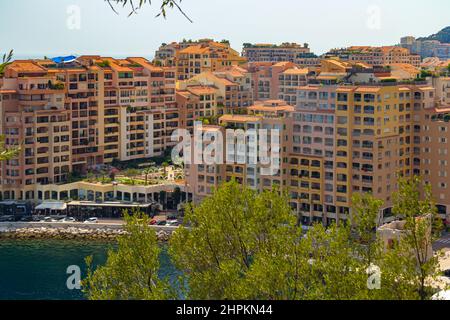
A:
<point x="136" y="5"/>
<point x="6" y="61"/>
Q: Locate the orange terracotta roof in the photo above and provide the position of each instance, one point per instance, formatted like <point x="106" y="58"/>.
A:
<point x="439" y="110"/>
<point x="271" y="108"/>
<point x="145" y="63"/>
<point x="368" y="89"/>
<point x="425" y="88"/>
<point x="26" y="66"/>
<point x="7" y="91"/>
<point x="345" y="89"/>
<point x="197" y="90"/>
<point x="196" y="49"/>
<point x="319" y="77"/>
<point x="227" y="82"/>
<point x="283" y="64"/>
<point x="309" y="87"/>
<point x="296" y="71"/>
<point x="211" y="128"/>
<point x="183" y="93"/>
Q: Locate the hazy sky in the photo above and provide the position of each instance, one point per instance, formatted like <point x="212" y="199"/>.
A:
<point x="45" y="27"/>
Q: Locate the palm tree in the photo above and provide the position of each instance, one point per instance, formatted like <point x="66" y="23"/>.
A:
<point x="7" y="153"/>
<point x="165" y="164"/>
<point x="148" y="171"/>
<point x="6" y="61"/>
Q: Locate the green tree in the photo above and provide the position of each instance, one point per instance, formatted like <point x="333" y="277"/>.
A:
<point x="165" y="164"/>
<point x="7" y="153"/>
<point x="365" y="219"/>
<point x="241" y="244"/>
<point x="6" y="60"/>
<point x="336" y="271"/>
<point x="131" y="271"/>
<point x="419" y="266"/>
<point x="227" y="231"/>
<point x="90" y="176"/>
<point x="131" y="174"/>
<point x="148" y="171"/>
<point x="319" y="265"/>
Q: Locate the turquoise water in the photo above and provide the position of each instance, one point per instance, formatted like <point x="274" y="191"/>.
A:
<point x="36" y="269"/>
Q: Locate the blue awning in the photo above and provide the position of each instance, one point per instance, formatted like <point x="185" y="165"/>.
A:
<point x="66" y="59"/>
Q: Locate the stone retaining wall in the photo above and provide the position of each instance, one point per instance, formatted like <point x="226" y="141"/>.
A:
<point x="98" y="231"/>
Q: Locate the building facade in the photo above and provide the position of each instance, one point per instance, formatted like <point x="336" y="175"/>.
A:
<point x="81" y="115"/>
<point x="376" y="56"/>
<point x="274" y="53"/>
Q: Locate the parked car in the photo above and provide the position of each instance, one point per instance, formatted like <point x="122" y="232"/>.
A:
<point x="173" y="223"/>
<point x="91" y="220"/>
<point x="69" y="219"/>
<point x="447" y="273"/>
<point x="6" y="218"/>
<point x="47" y="219"/>
<point x="153" y="222"/>
<point x="26" y="219"/>
<point x="162" y="223"/>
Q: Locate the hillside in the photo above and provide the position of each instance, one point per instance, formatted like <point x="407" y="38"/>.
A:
<point x="442" y="36"/>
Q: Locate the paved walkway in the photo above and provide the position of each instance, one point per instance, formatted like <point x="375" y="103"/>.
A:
<point x="442" y="243"/>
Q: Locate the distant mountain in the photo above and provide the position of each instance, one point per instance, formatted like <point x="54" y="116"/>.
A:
<point x="442" y="36"/>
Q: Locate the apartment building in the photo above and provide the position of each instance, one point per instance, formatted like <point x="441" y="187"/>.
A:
<point x="426" y="48"/>
<point x="165" y="55"/>
<point x="312" y="164"/>
<point x="266" y="78"/>
<point x="436" y="65"/>
<point x="196" y="102"/>
<point x="82" y="114"/>
<point x="34" y="114"/>
<point x="289" y="81"/>
<point x="206" y="55"/>
<point x="431" y="138"/>
<point x="274" y="114"/>
<point x="384" y="55"/>
<point x="442" y="86"/>
<point x="274" y="53"/>
<point x="374" y="142"/>
<point x="233" y="85"/>
<point x="140" y="112"/>
<point x="347" y="139"/>
<point x="304" y="60"/>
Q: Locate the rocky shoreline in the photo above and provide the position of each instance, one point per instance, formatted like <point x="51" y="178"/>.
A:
<point x="71" y="233"/>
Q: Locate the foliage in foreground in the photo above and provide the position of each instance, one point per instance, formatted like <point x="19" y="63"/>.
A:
<point x="131" y="272"/>
<point x="240" y="244"/>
